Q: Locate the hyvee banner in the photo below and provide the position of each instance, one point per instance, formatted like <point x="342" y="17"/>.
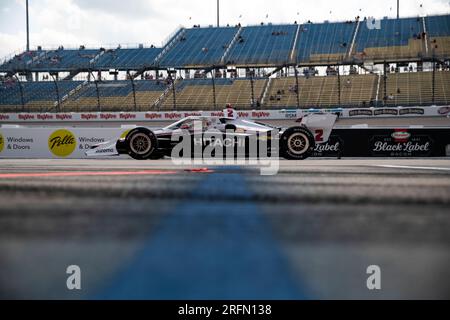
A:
<point x="53" y="142"/>
<point x="250" y="114"/>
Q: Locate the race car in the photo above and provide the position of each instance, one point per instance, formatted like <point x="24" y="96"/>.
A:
<point x="294" y="143"/>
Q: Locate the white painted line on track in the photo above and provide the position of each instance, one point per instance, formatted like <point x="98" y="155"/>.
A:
<point x="412" y="167"/>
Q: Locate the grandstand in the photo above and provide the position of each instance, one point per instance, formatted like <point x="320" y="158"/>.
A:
<point x="405" y="62"/>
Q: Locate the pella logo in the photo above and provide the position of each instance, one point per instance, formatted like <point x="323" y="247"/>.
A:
<point x="62" y="143"/>
<point x="401" y="136"/>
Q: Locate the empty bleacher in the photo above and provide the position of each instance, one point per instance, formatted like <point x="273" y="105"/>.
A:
<point x="395" y="39"/>
<point x="199" y="47"/>
<point x="198" y="94"/>
<point x="38" y="96"/>
<point x="438" y="30"/>
<point x="127" y="59"/>
<point x="408" y="39"/>
<point x="52" y="60"/>
<point x="325" y="42"/>
<point x="415" y="88"/>
<point x="269" y="47"/>
<point x="402" y="89"/>
<point x="263" y="45"/>
<point x="321" y="92"/>
<point x="116" y="96"/>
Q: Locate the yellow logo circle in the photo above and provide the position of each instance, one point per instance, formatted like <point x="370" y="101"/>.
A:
<point x="2" y="143"/>
<point x="62" y="143"/>
<point x="124" y="134"/>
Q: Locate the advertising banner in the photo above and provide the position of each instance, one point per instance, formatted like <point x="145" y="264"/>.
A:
<point x="49" y="143"/>
<point x="71" y="143"/>
<point x="283" y="114"/>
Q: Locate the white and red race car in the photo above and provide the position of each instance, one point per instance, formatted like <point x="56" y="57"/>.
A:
<point x="294" y="143"/>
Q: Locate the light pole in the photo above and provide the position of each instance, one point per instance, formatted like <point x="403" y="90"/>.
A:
<point x="218" y="13"/>
<point x="28" y="28"/>
<point x="398" y="9"/>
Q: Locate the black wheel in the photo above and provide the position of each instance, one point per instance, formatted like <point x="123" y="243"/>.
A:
<point x="141" y="144"/>
<point x="297" y="143"/>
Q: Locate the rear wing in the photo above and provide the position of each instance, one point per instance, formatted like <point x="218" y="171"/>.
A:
<point x="320" y="125"/>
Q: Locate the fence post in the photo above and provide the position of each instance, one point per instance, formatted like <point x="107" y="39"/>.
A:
<point x="297" y="87"/>
<point x="55" y="81"/>
<point x="99" y="109"/>
<point x="22" y="99"/>
<point x="214" y="88"/>
<point x="134" y="91"/>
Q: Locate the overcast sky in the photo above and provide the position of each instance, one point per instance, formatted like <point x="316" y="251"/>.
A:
<point x="102" y="22"/>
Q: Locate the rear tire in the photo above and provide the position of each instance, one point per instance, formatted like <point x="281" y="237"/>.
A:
<point x="141" y="144"/>
<point x="297" y="143"/>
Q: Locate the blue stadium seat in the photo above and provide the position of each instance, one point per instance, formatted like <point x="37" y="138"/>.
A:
<point x="393" y="32"/>
<point x="324" y="39"/>
<point x="264" y="45"/>
<point x="127" y="59"/>
<point x="35" y="91"/>
<point x="438" y="26"/>
<point x="199" y="46"/>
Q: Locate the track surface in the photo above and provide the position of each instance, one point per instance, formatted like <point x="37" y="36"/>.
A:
<point x="155" y="230"/>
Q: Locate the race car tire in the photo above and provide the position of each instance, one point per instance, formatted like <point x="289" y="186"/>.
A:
<point x="230" y="127"/>
<point x="141" y="144"/>
<point x="297" y="143"/>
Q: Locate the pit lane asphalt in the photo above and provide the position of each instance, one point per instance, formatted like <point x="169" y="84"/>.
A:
<point x="308" y="232"/>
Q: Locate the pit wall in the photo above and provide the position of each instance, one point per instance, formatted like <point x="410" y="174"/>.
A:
<point x="71" y="143"/>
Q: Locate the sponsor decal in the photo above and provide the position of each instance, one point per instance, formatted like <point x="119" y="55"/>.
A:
<point x="219" y="142"/>
<point x="243" y="114"/>
<point x="153" y="115"/>
<point x="44" y="116"/>
<point x="401" y="136"/>
<point x="219" y="114"/>
<point x="4" y="117"/>
<point x="444" y="111"/>
<point x="419" y="111"/>
<point x="172" y="116"/>
<point x="399" y="144"/>
<point x="100" y="151"/>
<point x="380" y="112"/>
<point x="332" y="148"/>
<point x="360" y="112"/>
<point x="88" y="142"/>
<point x="88" y="116"/>
<point x="127" y="116"/>
<point x="290" y="114"/>
<point x="63" y="116"/>
<point x="19" y="143"/>
<point x="260" y="115"/>
<point x="26" y="116"/>
<point x="108" y="116"/>
<point x="62" y="143"/>
<point x="2" y="143"/>
<point x="192" y="114"/>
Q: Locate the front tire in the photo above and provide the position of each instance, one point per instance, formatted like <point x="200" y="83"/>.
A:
<point x="141" y="144"/>
<point x="297" y="143"/>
